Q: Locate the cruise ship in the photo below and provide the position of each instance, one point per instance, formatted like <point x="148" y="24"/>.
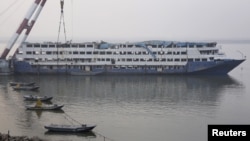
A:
<point x="146" y="57"/>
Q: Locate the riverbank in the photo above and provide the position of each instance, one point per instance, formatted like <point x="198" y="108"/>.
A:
<point x="6" y="137"/>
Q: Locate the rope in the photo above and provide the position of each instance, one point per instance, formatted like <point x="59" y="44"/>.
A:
<point x="6" y="10"/>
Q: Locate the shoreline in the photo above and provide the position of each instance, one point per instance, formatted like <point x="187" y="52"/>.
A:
<point x="7" y="137"/>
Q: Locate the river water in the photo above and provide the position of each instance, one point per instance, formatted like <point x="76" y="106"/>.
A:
<point x="132" y="107"/>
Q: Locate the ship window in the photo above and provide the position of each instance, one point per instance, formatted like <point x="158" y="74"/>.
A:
<point x="29" y="45"/>
<point x="89" y="52"/>
<point x="37" y="45"/>
<point x="82" y="52"/>
<point x="197" y="59"/>
<point x="108" y="59"/>
<point x="177" y="59"/>
<point x="129" y="53"/>
<point x="102" y="52"/>
<point x="74" y="45"/>
<point x="150" y="60"/>
<point x="28" y="52"/>
<point x="89" y="46"/>
<point x="75" y="52"/>
<point x="49" y="52"/>
<point x="44" y="46"/>
<point x="142" y="60"/>
<point x="183" y="52"/>
<point x="129" y="60"/>
<point x="156" y="60"/>
<point x="170" y="60"/>
<point x="52" y="46"/>
<point x="109" y="52"/>
<point x="183" y="60"/>
<point x="130" y="46"/>
<point x="154" y="46"/>
<point x="81" y="45"/>
<point x="154" y="53"/>
<point x="95" y="52"/>
<point x="163" y="60"/>
<point x="190" y="60"/>
<point x="169" y="53"/>
<point x="204" y="59"/>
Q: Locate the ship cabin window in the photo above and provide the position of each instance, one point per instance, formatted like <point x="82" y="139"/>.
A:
<point x="88" y="52"/>
<point x="211" y="58"/>
<point x="102" y="53"/>
<point x="190" y="60"/>
<point x="142" y="60"/>
<point x="109" y="52"/>
<point x="197" y="59"/>
<point x="89" y="46"/>
<point x="136" y="59"/>
<point x="156" y="59"/>
<point x="74" y="45"/>
<point x="160" y="46"/>
<point x="37" y="45"/>
<point x="204" y="59"/>
<point x="183" y="53"/>
<point x="52" y="46"/>
<point x="116" y="52"/>
<point x="108" y="59"/>
<point x="48" y="52"/>
<point x="81" y="46"/>
<point x="150" y="60"/>
<point x="160" y="52"/>
<point x="154" y="53"/>
<point x="95" y="52"/>
<point x="75" y="52"/>
<point x="44" y="46"/>
<point x="191" y="45"/>
<point x="154" y="46"/>
<point x="82" y="52"/>
<point x="29" y="45"/>
<point x="177" y="60"/>
<point x="163" y="59"/>
<point x="129" y="60"/>
<point x="183" y="60"/>
<point x="169" y="52"/>
<point x="199" y="46"/>
<point x="145" y="53"/>
<point x="169" y="46"/>
<point x="130" y="46"/>
<point x="28" y="52"/>
<point x="170" y="60"/>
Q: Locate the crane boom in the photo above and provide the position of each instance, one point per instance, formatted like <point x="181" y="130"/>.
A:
<point x="27" y="24"/>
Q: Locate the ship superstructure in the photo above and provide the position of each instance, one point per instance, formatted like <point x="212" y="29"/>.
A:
<point x="148" y="57"/>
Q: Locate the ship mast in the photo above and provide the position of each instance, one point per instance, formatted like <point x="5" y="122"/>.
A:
<point x="27" y="24"/>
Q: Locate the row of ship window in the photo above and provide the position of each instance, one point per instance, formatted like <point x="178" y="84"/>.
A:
<point x="105" y="53"/>
<point x="98" y="46"/>
<point x="129" y="59"/>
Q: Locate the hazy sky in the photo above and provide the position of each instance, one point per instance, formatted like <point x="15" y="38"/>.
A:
<point x="125" y="20"/>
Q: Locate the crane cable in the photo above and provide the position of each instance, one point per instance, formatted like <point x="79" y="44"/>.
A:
<point x="62" y="22"/>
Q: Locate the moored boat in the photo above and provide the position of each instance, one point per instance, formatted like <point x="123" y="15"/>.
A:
<point x="35" y="98"/>
<point x="69" y="128"/>
<point x="21" y="84"/>
<point x="44" y="107"/>
<point x="26" y="88"/>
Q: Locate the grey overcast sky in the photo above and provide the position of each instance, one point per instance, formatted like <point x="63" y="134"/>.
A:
<point x="136" y="20"/>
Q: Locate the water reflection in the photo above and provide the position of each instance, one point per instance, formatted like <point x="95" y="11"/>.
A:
<point x="103" y="98"/>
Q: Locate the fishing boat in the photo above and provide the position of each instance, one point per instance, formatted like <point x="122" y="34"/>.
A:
<point x="70" y="128"/>
<point x="26" y="88"/>
<point x="40" y="106"/>
<point x="35" y="98"/>
<point x="44" y="107"/>
<point x="21" y="83"/>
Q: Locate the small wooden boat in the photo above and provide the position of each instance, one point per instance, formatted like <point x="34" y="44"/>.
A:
<point x="35" y="98"/>
<point x="21" y="84"/>
<point x="27" y="88"/>
<point x="44" y="107"/>
<point x="70" y="128"/>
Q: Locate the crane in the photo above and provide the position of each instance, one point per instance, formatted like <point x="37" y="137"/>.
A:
<point x="27" y="24"/>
